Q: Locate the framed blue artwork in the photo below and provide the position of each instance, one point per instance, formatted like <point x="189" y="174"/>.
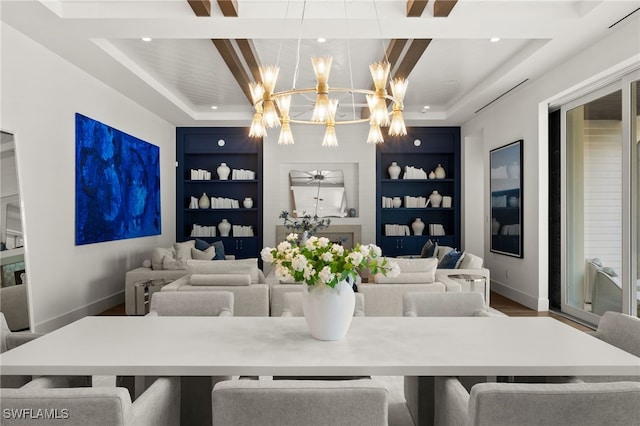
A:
<point x="117" y="184"/>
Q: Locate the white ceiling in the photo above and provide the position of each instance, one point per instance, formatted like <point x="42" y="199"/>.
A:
<point x="180" y="74"/>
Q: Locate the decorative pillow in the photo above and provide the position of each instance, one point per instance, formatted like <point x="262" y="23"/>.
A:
<point x="220" y="255"/>
<point x="201" y="245"/>
<point x="169" y="263"/>
<point x="429" y="249"/>
<point x="183" y="250"/>
<point x="158" y="255"/>
<point x="241" y="266"/>
<point x="406" y="278"/>
<point x="207" y="254"/>
<point x="220" y="279"/>
<point x="470" y="261"/>
<point x="424" y="267"/>
<point x="450" y="260"/>
<point x="442" y="251"/>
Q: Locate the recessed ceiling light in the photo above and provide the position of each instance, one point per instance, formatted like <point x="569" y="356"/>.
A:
<point x="321" y="40"/>
<point x="494" y="39"/>
<point x="146" y="39"/>
<point x="426" y="107"/>
<point x="214" y="107"/>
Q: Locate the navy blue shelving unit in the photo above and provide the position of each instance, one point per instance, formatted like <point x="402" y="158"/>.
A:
<point x="438" y="145"/>
<point x="206" y="148"/>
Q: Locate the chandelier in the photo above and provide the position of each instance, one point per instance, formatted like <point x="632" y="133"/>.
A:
<point x="272" y="108"/>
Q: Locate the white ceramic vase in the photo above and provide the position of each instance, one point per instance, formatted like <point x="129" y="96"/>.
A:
<point x="247" y="203"/>
<point x="397" y="202"/>
<point x="417" y="226"/>
<point x="204" y="202"/>
<point x="394" y="170"/>
<point x="223" y="171"/>
<point x="439" y="172"/>
<point x="435" y="199"/>
<point x="432" y="175"/>
<point x="328" y="311"/>
<point x="224" y="227"/>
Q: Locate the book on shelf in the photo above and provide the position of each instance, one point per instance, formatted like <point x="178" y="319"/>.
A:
<point x="446" y="201"/>
<point x="242" y="174"/>
<point x="224" y="203"/>
<point x="200" y="174"/>
<point x="242" y="231"/>
<point x="436" y="229"/>
<point x="396" y="230"/>
<point x="411" y="172"/>
<point x="203" y="231"/>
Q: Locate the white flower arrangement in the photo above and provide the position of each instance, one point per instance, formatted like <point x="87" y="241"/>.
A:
<point x="320" y="262"/>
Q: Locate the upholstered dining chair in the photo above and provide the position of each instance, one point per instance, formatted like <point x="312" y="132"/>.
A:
<point x="568" y="404"/>
<point x="418" y="390"/>
<point x="195" y="391"/>
<point x="46" y="400"/>
<point x="191" y="303"/>
<point x="300" y="402"/>
<point x="292" y="305"/>
<point x="10" y="340"/>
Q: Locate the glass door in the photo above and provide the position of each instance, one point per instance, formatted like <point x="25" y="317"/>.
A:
<point x="600" y="234"/>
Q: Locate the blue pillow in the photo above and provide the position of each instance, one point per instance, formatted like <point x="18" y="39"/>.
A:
<point x="202" y="245"/>
<point x="450" y="260"/>
<point x="429" y="249"/>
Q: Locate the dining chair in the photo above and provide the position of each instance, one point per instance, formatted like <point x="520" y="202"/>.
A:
<point x="195" y="394"/>
<point x="292" y="305"/>
<point x="418" y="390"/>
<point x="299" y="403"/>
<point x="10" y="340"/>
<point x="191" y="303"/>
<point x="568" y="404"/>
<point x="46" y="400"/>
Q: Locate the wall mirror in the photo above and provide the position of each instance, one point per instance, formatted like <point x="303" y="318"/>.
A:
<point x="318" y="192"/>
<point x="13" y="275"/>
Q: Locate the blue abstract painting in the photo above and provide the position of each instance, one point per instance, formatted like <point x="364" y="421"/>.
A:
<point x="117" y="184"/>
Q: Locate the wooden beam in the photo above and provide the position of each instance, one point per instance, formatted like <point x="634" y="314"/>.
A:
<point x="411" y="58"/>
<point x="228" y="7"/>
<point x="442" y="8"/>
<point x="231" y="58"/>
<point x="248" y="51"/>
<point x="200" y="7"/>
<point x="416" y="7"/>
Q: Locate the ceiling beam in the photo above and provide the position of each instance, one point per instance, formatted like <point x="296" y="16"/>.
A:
<point x="231" y="58"/>
<point x="442" y="8"/>
<point x="416" y="7"/>
<point x="411" y="58"/>
<point x="200" y="7"/>
<point x="228" y="7"/>
<point x="248" y="51"/>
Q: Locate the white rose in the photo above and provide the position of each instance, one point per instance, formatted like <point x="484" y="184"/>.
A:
<point x="375" y="250"/>
<point x="355" y="258"/>
<point x="308" y="271"/>
<point x="364" y="250"/>
<point x="327" y="257"/>
<point x="337" y="249"/>
<point x="292" y="237"/>
<point x="394" y="269"/>
<point x="326" y="275"/>
<point x="266" y="255"/>
<point x="311" y="241"/>
<point x="284" y="246"/>
<point x="323" y="242"/>
<point x="299" y="262"/>
<point x="282" y="273"/>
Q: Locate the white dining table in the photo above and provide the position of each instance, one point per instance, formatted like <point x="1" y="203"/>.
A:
<point x="199" y="346"/>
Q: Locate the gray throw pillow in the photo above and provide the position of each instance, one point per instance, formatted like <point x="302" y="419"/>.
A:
<point x="429" y="249"/>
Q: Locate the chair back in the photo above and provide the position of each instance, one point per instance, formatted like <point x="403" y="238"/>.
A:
<point x="558" y="404"/>
<point x="292" y="305"/>
<point x="192" y="303"/>
<point x="67" y="406"/>
<point x="4" y="333"/>
<point x="620" y="330"/>
<point x="300" y="402"/>
<point x="449" y="304"/>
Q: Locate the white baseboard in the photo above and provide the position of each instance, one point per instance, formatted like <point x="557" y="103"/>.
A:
<point x="83" y="311"/>
<point x="540" y="305"/>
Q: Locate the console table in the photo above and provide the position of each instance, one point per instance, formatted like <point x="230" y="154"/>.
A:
<point x="395" y="346"/>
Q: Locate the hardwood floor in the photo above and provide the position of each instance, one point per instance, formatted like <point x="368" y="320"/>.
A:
<point x="499" y="302"/>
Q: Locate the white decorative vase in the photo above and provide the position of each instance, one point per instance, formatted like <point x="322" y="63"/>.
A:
<point x="247" y="203"/>
<point x="204" y="202"/>
<point x="439" y="172"/>
<point x="432" y="175"/>
<point x="394" y="170"/>
<point x="417" y="226"/>
<point x="435" y="199"/>
<point x="328" y="311"/>
<point x="224" y="227"/>
<point x="397" y="202"/>
<point x="223" y="171"/>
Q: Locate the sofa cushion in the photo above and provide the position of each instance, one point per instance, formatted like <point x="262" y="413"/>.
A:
<point x="219" y="279"/>
<point x="470" y="261"/>
<point x="450" y="260"/>
<point x="240" y="266"/>
<point x="419" y="270"/>
<point x="208" y="254"/>
<point x="171" y="264"/>
<point x="429" y="249"/>
<point x="218" y="245"/>
<point x="442" y="251"/>
<point x="183" y="250"/>
<point x="158" y="255"/>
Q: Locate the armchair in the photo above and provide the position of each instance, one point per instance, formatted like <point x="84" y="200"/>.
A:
<point x="159" y="405"/>
<point x="570" y="404"/>
<point x="192" y="303"/>
<point x="292" y="305"/>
